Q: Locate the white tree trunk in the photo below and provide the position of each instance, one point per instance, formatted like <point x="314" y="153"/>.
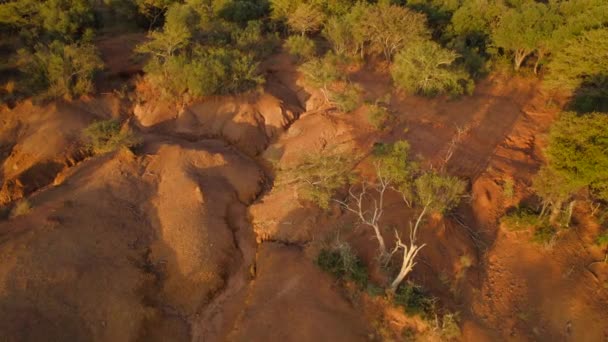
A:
<point x="409" y="253"/>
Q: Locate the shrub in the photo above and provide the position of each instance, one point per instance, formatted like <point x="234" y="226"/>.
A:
<point x="521" y="218"/>
<point x="107" y="136"/>
<point x="415" y="301"/>
<point x="544" y="235"/>
<point x="377" y="116"/>
<point x="21" y="208"/>
<point x="343" y="263"/>
<point x="449" y="329"/>
<point x="301" y="47"/>
<point x="348" y="99"/>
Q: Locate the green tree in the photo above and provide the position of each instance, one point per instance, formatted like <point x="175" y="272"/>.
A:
<point x="390" y="28"/>
<point x="427" y="68"/>
<point x="306" y="18"/>
<point x="438" y="193"/>
<point x="175" y="35"/>
<point x="576" y="159"/>
<point x="65" y="20"/>
<point x="580" y="62"/>
<point x="301" y="47"/>
<point x="154" y="10"/>
<point x="60" y="70"/>
<point x="527" y="29"/>
<point x="347" y="33"/>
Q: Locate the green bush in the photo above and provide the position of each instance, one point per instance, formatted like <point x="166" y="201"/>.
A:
<point x="343" y="263"/>
<point x="415" y="301"/>
<point x="301" y="47"/>
<point x="348" y="99"/>
<point x="107" y="136"/>
<point x="319" y="176"/>
<point x="377" y="116"/>
<point x="522" y="218"/>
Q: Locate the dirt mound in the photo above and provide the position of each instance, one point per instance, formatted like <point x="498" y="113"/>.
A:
<point x="37" y="142"/>
<point x="126" y="246"/>
<point x="247" y="121"/>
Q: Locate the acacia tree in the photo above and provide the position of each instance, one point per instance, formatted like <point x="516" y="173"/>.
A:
<point x="576" y="159"/>
<point x="390" y="28"/>
<point x="427" y="68"/>
<point x="306" y="18"/>
<point x="580" y="61"/>
<point x="59" y="70"/>
<point x="525" y="30"/>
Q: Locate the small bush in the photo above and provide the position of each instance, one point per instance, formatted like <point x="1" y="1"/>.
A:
<point x="301" y="47"/>
<point x="107" y="136"/>
<point x="544" y="235"/>
<point x="21" y="208"/>
<point x="348" y="99"/>
<point x="602" y="239"/>
<point x="508" y="188"/>
<point x="415" y="301"/>
<point x="521" y="218"/>
<point x="378" y="116"/>
<point x="343" y="263"/>
<point x="449" y="329"/>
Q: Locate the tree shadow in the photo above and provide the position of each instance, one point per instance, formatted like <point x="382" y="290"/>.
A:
<point x="591" y="95"/>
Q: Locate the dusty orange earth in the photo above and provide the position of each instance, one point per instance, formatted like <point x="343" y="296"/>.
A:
<point x="187" y="238"/>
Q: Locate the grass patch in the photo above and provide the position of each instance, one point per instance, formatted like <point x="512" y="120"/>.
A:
<point x="21" y="208"/>
<point x="341" y="262"/>
<point x="107" y="136"/>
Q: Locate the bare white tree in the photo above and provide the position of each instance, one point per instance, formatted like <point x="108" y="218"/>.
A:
<point x="369" y="208"/>
<point x="409" y="252"/>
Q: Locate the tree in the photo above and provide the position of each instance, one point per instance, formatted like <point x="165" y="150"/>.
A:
<point x="153" y="10"/>
<point x="175" y="35"/>
<point x="319" y="176"/>
<point x="427" y="68"/>
<point x="306" y="18"/>
<point x="583" y="59"/>
<point x="64" y="20"/>
<point x="438" y="193"/>
<point x="300" y="46"/>
<point x="390" y="28"/>
<point x="576" y="159"/>
<point x="346" y="33"/>
<point x="60" y="70"/>
<point x="526" y="29"/>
